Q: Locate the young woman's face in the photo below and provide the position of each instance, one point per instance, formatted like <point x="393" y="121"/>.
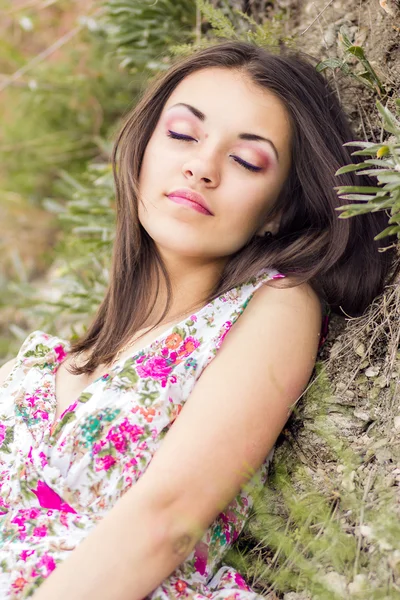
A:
<point x="209" y="140"/>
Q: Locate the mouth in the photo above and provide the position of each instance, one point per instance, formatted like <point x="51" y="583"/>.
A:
<point x="191" y="199"/>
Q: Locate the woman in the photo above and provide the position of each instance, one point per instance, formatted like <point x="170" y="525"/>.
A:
<point x="224" y="183"/>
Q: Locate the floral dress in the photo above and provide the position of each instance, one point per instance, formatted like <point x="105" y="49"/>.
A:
<point x="59" y="478"/>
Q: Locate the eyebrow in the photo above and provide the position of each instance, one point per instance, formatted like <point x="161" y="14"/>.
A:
<point x="242" y="136"/>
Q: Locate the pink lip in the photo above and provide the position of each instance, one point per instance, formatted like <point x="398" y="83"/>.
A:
<point x="190" y="198"/>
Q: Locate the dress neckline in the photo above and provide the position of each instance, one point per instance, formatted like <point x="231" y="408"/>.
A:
<point x="118" y="366"/>
<point x="54" y="424"/>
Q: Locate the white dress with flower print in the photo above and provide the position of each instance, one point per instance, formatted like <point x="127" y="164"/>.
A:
<point x="58" y="479"/>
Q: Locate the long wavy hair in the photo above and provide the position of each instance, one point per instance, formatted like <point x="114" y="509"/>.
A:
<point x="338" y="257"/>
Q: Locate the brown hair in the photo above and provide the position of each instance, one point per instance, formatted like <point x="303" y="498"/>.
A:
<point x="338" y="257"/>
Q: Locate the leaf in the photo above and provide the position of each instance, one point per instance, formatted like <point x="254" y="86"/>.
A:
<point x="389" y="177"/>
<point x="357" y="51"/>
<point x="343" y="38"/>
<point x="364" y="198"/>
<point x="391" y="124"/>
<point x="85" y="397"/>
<point x="329" y="63"/>
<point x="360" y="143"/>
<point x="349" y="168"/>
<point x="361" y="189"/>
<point x="374" y="172"/>
<point x="392" y="230"/>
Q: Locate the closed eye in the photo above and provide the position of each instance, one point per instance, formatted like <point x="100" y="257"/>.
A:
<point x="180" y="136"/>
<point x="187" y="138"/>
<point x="246" y="165"/>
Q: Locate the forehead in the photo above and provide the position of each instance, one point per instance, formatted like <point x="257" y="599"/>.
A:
<point x="230" y="99"/>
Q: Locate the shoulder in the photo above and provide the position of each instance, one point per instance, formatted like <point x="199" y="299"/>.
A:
<point x="6" y="369"/>
<point x="276" y="339"/>
<point x="283" y="309"/>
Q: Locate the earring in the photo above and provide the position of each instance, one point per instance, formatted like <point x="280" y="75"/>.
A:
<point x="267" y="234"/>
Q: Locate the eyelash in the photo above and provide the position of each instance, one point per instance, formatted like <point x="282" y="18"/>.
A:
<point x="187" y="138"/>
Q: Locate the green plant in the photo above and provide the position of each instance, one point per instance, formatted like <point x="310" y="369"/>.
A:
<point x="384" y="164"/>
<point x="366" y="75"/>
<point x="229" y="22"/>
<point x="141" y="31"/>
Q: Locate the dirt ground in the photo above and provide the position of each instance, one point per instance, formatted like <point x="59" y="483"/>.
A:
<point x="357" y="391"/>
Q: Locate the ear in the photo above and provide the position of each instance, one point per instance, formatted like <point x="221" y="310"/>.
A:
<point x="272" y="226"/>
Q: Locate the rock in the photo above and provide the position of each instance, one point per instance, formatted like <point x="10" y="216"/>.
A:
<point x="372" y="371"/>
<point x="396" y="422"/>
<point x="389" y="6"/>
<point x="364" y="416"/>
<point x="360" y="350"/>
<point x="329" y="35"/>
<point x="359" y="584"/>
<point x="348" y="481"/>
<point x="336" y="583"/>
<point x="366" y="531"/>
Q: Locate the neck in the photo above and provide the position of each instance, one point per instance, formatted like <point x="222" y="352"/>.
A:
<point x="192" y="281"/>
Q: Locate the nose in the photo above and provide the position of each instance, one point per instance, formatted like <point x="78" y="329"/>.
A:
<point x="200" y="169"/>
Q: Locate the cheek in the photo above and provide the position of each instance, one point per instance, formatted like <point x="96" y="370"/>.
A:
<point x="248" y="200"/>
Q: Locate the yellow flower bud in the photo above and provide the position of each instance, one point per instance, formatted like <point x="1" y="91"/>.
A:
<point x="383" y="150"/>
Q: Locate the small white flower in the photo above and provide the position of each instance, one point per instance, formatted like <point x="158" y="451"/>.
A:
<point x="26" y="23"/>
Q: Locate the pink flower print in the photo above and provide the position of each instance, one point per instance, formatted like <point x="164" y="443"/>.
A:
<point x="201" y="555"/>
<point x="41" y="414"/>
<point x="180" y="587"/>
<point x="2" y="434"/>
<point x="48" y="498"/>
<point x="46" y="565"/>
<point x="227" y="536"/>
<point x="69" y="409"/>
<point x="240" y="582"/>
<point x="98" y="446"/>
<point x="64" y="519"/>
<point x="19" y="520"/>
<point x="43" y="459"/>
<point x="60" y="352"/>
<point x="121" y="434"/>
<point x="188" y="346"/>
<point x="19" y="584"/>
<point x="31" y="400"/>
<point x="33" y="513"/>
<point x="193" y="318"/>
<point x="103" y="463"/>
<point x="118" y="440"/>
<point x="225" y="328"/>
<point x="156" y="367"/>
<point x="134" y="431"/>
<point x="131" y="463"/>
<point x="228" y="516"/>
<point x="25" y="554"/>
<point x="141" y="358"/>
<point x="40" y="531"/>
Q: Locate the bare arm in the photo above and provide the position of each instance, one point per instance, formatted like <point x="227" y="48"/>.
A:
<point x="238" y="408"/>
